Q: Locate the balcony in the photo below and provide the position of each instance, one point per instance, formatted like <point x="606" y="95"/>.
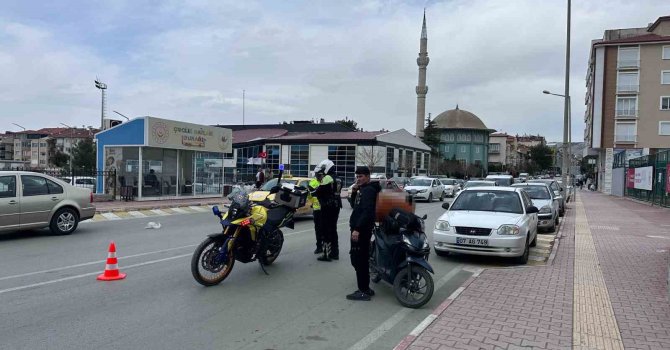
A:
<point x="625" y="138"/>
<point x="626" y="113"/>
<point x="628" y="64"/>
<point x="628" y="89"/>
<point x="494" y="151"/>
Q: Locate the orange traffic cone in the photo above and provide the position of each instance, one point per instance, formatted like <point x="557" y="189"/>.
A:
<point x="112" y="268"/>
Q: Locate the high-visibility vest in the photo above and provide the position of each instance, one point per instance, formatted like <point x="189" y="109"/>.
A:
<point x="314" y="183"/>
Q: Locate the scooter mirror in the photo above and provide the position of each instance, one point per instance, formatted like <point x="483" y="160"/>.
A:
<point x="216" y="211"/>
<point x="424" y="217"/>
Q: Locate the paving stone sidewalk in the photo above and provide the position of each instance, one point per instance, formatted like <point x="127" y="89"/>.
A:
<point x="606" y="287"/>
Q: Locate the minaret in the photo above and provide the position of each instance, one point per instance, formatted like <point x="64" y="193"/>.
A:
<point x="422" y="89"/>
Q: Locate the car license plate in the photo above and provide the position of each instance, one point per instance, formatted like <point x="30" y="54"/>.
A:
<point x="472" y="241"/>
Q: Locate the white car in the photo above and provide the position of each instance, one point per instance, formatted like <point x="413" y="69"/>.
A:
<point x="425" y="188"/>
<point x="494" y="221"/>
<point x="451" y="187"/>
<point x="81" y="181"/>
<point x="501" y="180"/>
<point x="546" y="201"/>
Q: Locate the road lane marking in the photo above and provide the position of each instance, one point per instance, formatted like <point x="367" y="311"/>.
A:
<point x="137" y="214"/>
<point x="198" y="209"/>
<point x="179" y="210"/>
<point x="159" y="212"/>
<point x="387" y="325"/>
<point x="89" y="274"/>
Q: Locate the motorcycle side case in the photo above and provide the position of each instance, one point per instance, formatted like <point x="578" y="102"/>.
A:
<point x="417" y="261"/>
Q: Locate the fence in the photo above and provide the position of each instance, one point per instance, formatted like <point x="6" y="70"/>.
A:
<point x="86" y="178"/>
<point x="648" y="178"/>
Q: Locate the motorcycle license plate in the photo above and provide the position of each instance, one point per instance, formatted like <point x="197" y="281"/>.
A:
<point x="472" y="241"/>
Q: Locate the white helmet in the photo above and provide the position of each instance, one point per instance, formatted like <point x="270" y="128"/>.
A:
<point x="324" y="167"/>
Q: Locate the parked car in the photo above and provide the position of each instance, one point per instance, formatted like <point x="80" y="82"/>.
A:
<point x="387" y="185"/>
<point x="81" y="181"/>
<point x="558" y="192"/>
<point x="263" y="193"/>
<point x="378" y="176"/>
<point x="401" y="181"/>
<point x="501" y="180"/>
<point x="547" y="203"/>
<point x="426" y="188"/>
<point x="451" y="187"/>
<point x="494" y="221"/>
<point x="31" y="200"/>
<point x="479" y="183"/>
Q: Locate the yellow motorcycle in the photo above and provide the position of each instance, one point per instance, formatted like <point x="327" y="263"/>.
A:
<point x="251" y="232"/>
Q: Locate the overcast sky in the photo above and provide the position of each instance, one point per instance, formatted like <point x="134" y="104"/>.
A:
<point x="297" y="60"/>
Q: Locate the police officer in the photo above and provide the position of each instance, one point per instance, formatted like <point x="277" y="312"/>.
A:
<point x="361" y="223"/>
<point x="316" y="210"/>
<point x="328" y="194"/>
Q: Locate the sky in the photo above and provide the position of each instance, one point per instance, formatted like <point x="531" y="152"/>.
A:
<point x="301" y="60"/>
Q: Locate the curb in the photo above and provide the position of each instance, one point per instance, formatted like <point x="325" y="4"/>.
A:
<point x="416" y="332"/>
<point x="557" y="240"/>
<point x="164" y="206"/>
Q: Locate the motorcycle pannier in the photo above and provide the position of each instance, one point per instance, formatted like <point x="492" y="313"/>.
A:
<point x="291" y="198"/>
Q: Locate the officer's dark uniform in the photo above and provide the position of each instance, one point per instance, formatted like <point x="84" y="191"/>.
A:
<point x="328" y="194"/>
<point x="363" y="220"/>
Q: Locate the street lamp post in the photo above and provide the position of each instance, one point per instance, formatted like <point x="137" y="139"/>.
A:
<point x="102" y="86"/>
<point x="567" y="136"/>
<point x="121" y="115"/>
<point x="71" y="158"/>
<point x="24" y="129"/>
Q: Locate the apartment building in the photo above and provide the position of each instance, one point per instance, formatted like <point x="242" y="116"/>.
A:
<point x="628" y="95"/>
<point x="35" y="148"/>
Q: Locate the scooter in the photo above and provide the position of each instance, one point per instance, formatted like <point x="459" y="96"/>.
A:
<point x="399" y="256"/>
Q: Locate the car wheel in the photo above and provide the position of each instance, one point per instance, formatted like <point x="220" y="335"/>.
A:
<point x="534" y="242"/>
<point x="441" y="253"/>
<point x="556" y="220"/>
<point x="430" y="198"/>
<point x="442" y="197"/>
<point x="64" y="222"/>
<point x="561" y="212"/>
<point x="523" y="259"/>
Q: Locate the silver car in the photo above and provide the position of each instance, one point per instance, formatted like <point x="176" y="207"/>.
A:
<point x="546" y="201"/>
<point x="558" y="191"/>
<point x="32" y="200"/>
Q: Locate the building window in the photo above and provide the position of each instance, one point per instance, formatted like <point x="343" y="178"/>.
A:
<point x="494" y="148"/>
<point x="272" y="160"/>
<point x="246" y="170"/>
<point x="463" y="149"/>
<point x="344" y="158"/>
<point x="409" y="155"/>
<point x="665" y="103"/>
<point x="625" y="132"/>
<point x="479" y="138"/>
<point x="629" y="57"/>
<point x="664" y="128"/>
<point x="299" y="160"/>
<point x="627" y="82"/>
<point x="665" y="77"/>
<point x="626" y="106"/>
<point x="390" y="152"/>
<point x="447" y="148"/>
<point x="666" y="53"/>
<point x="464" y="137"/>
<point x="478" y="149"/>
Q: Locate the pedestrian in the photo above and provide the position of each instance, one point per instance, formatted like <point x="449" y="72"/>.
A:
<point x="316" y="212"/>
<point x="361" y="223"/>
<point x="328" y="194"/>
<point x="260" y="178"/>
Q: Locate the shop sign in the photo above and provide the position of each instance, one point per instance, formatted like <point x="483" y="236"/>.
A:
<point x="644" y="178"/>
<point x="630" y="178"/>
<point x="174" y="134"/>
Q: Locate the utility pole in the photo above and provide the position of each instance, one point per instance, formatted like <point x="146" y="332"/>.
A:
<point x="566" y="107"/>
<point x="243" y="102"/>
<point x="102" y="86"/>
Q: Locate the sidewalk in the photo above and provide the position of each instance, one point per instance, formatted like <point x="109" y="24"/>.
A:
<point x="605" y="289"/>
<point x="122" y="206"/>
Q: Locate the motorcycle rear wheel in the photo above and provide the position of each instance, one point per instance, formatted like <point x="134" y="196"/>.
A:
<point x="416" y="291"/>
<point x="205" y="269"/>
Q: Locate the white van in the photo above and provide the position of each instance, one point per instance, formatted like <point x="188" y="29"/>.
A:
<point x="501" y="180"/>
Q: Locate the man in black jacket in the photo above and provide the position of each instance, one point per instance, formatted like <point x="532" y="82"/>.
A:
<point x="361" y="223"/>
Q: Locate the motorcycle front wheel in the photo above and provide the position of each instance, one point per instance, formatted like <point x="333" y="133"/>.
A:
<point x="272" y="247"/>
<point x="207" y="266"/>
<point x="413" y="291"/>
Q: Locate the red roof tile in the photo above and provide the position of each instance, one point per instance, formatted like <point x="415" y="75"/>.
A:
<point x="335" y="136"/>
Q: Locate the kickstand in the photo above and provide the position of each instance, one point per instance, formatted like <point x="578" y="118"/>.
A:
<point x="263" y="267"/>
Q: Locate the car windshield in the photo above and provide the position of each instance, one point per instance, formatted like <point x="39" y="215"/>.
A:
<point x="480" y="200"/>
<point x="420" y="182"/>
<point x="448" y="182"/>
<point x="479" y="184"/>
<point x="537" y="192"/>
<point x="502" y="181"/>
<point x="272" y="183"/>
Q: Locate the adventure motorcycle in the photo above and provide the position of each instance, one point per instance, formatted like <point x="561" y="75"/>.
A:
<point x="399" y="256"/>
<point x="250" y="232"/>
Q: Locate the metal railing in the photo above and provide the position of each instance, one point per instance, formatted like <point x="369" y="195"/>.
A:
<point x="628" y="88"/>
<point x="660" y="192"/>
<point x="628" y="113"/>
<point x="625" y="138"/>
<point x="631" y="64"/>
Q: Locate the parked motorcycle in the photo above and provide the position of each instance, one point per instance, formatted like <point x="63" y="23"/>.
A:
<point x="251" y="232"/>
<point x="399" y="256"/>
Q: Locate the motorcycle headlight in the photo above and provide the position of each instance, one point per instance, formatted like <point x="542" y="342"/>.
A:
<point x="508" y="230"/>
<point x="442" y="225"/>
<point x="545" y="210"/>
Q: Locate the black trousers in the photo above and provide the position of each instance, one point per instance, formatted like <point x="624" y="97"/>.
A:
<point x="317" y="227"/>
<point x="329" y="217"/>
<point x="360" y="259"/>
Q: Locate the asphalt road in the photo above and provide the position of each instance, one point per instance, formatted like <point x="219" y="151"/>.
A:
<point x="50" y="298"/>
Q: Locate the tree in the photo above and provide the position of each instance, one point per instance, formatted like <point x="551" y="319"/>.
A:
<point x="349" y="123"/>
<point x="83" y="154"/>
<point x="60" y="159"/>
<point x="370" y="156"/>
<point x="541" y="157"/>
<point x="431" y="137"/>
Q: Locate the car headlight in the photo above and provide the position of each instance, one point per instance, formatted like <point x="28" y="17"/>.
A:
<point x="508" y="230"/>
<point x="422" y="191"/>
<point x="442" y="225"/>
<point x="545" y="210"/>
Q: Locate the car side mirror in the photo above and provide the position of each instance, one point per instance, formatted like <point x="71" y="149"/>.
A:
<point x="445" y="206"/>
<point x="532" y="210"/>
